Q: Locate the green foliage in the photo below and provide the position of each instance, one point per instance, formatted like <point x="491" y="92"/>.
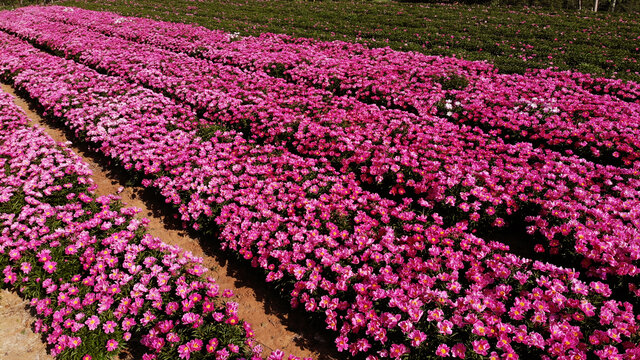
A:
<point x="206" y="133"/>
<point x="15" y="203"/>
<point x="452" y="82"/>
<point x="10" y="4"/>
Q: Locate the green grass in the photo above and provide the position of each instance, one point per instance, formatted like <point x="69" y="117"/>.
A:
<point x="604" y="44"/>
<point x="12" y="4"/>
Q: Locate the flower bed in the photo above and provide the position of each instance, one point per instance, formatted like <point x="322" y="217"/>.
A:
<point x="97" y="282"/>
<point x="444" y="167"/>
<point x="582" y="117"/>
<point x="553" y="109"/>
<point x="384" y="277"/>
<point x="342" y="67"/>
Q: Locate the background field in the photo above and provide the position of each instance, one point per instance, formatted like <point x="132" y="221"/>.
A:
<point x="512" y="38"/>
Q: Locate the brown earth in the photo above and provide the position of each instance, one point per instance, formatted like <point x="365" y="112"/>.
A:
<point x="274" y="324"/>
<point x="17" y="340"/>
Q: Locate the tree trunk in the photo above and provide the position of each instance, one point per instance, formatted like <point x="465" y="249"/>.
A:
<point x="613" y="6"/>
<point x="579" y="4"/>
<point x="595" y="6"/>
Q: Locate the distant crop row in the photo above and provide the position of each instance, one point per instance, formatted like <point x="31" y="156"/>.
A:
<point x="596" y="118"/>
<point x="513" y="39"/>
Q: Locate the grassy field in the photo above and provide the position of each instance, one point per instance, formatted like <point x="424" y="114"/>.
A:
<point x="513" y="39"/>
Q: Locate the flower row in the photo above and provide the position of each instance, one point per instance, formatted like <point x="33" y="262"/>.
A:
<point x="571" y="110"/>
<point x="380" y="76"/>
<point x="382" y="276"/>
<point x="96" y="281"/>
<point x="551" y="108"/>
<point x="461" y="173"/>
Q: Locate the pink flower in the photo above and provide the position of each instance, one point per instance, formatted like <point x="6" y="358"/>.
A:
<point x="417" y="337"/>
<point x="92" y="322"/>
<point x="50" y="266"/>
<point x="212" y="345"/>
<point x="222" y="354"/>
<point x="442" y="350"/>
<point x="195" y="345"/>
<point x="109" y="327"/>
<point x="232" y="320"/>
<point x="459" y="350"/>
<point x="445" y="327"/>
<point x="481" y="347"/>
<point x="128" y="323"/>
<point x="9" y="276"/>
<point x="172" y="337"/>
<point x="397" y="350"/>
<point x="171" y="307"/>
<point x="184" y="352"/>
<point x="112" y="345"/>
<point x="363" y="345"/>
<point x="147" y="317"/>
<point x="342" y="343"/>
<point x="276" y="355"/>
<point x="74" y="342"/>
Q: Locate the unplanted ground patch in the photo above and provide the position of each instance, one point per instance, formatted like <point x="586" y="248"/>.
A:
<point x="17" y="339"/>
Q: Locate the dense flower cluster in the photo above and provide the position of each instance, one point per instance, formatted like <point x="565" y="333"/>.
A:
<point x="440" y="164"/>
<point x="588" y="115"/>
<point x="96" y="281"/>
<point x="284" y="189"/>
<point x="554" y="109"/>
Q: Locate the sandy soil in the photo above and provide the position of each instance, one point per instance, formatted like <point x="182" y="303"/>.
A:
<point x="275" y="325"/>
<point x="18" y="341"/>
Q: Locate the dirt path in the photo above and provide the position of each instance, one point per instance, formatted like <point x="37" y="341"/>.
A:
<point x="275" y="326"/>
<point x="18" y="341"/>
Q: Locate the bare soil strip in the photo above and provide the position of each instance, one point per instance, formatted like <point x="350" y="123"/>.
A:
<point x="274" y="324"/>
<point x="18" y="341"/>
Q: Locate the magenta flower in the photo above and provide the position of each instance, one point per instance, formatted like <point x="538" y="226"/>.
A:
<point x="128" y="323"/>
<point x="172" y="337"/>
<point x="184" y="352"/>
<point x="459" y="350"/>
<point x="109" y="327"/>
<point x="9" y="276"/>
<point x="442" y="350"/>
<point x="195" y="345"/>
<point x="276" y="355"/>
<point x="112" y="345"/>
<point x="342" y="343"/>
<point x="397" y="350"/>
<point x="50" y="266"/>
<point x="481" y="347"/>
<point x="212" y="345"/>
